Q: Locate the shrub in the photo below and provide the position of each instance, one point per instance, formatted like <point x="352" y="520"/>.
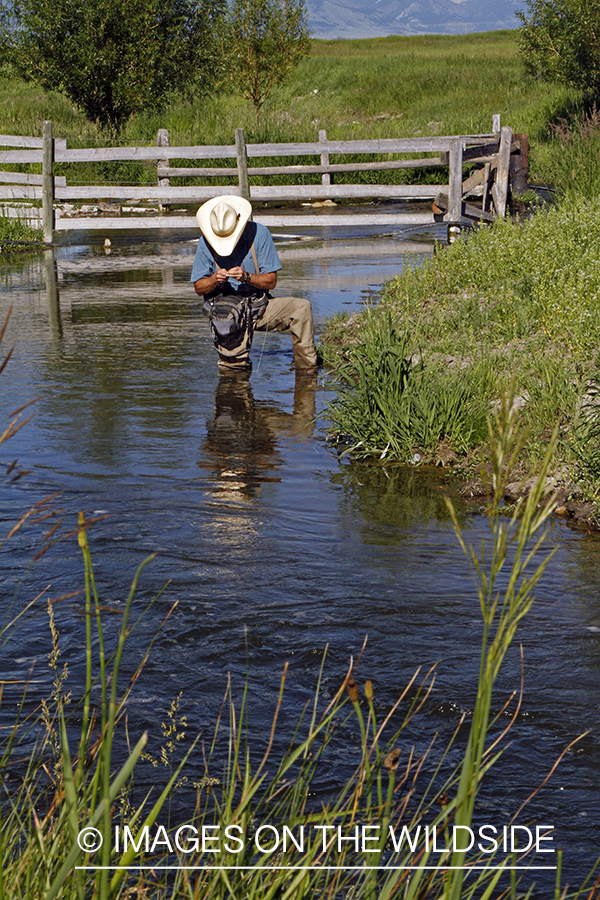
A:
<point x="559" y="42"/>
<point x="112" y="60"/>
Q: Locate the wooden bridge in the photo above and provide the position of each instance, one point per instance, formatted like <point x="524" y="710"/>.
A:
<point x="496" y="161"/>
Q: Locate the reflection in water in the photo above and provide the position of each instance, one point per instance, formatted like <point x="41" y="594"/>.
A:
<point x="52" y="295"/>
<point x="241" y="437"/>
<point x="393" y="496"/>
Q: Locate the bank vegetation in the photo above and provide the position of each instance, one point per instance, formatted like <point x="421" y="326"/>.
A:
<point x="517" y="303"/>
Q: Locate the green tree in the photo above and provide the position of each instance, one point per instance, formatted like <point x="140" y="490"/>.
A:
<point x="262" y="41"/>
<point x="112" y="58"/>
<point x="560" y="41"/>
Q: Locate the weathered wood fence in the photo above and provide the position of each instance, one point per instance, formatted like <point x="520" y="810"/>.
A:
<point x="501" y="156"/>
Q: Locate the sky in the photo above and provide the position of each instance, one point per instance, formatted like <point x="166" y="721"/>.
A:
<point x="377" y="18"/>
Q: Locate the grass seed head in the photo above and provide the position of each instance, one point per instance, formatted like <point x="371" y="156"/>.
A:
<point x="392" y="759"/>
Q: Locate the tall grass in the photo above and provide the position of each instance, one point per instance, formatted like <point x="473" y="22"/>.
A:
<point x="393" y="403"/>
<point x="15" y="234"/>
<point x="572" y="155"/>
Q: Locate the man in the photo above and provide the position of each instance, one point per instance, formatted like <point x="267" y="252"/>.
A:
<point x="236" y="258"/>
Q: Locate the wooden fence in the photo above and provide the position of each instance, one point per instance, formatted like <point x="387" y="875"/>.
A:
<point x="500" y="157"/>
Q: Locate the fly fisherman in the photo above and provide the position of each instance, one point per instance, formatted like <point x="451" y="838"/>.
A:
<point x="235" y="269"/>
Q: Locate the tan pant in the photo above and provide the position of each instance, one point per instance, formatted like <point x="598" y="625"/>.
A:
<point x="291" y="315"/>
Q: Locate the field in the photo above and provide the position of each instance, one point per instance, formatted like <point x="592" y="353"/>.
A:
<point x="381" y="87"/>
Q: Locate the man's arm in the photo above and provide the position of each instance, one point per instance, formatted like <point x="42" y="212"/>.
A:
<point x="209" y="282"/>
<point x="265" y="282"/>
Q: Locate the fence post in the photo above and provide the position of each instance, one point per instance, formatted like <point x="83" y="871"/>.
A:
<point x="48" y="183"/>
<point x="496" y="123"/>
<point x="456" y="177"/>
<point x="162" y="140"/>
<point x="485" y="201"/>
<point x="242" y="163"/>
<point x="325" y="177"/>
<point x="519" y="165"/>
<point x="500" y="187"/>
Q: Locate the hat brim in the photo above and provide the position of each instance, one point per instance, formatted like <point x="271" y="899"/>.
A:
<point x="224" y="246"/>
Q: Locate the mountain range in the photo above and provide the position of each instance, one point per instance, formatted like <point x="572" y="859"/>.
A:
<point x="378" y="18"/>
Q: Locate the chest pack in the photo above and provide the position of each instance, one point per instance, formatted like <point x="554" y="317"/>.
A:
<point x="232" y="315"/>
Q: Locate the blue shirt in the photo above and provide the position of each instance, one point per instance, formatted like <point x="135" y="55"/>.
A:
<point x="266" y="254"/>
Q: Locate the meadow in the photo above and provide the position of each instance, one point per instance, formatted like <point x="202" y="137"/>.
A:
<point x="373" y="88"/>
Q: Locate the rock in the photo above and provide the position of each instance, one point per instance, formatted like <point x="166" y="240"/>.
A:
<point x="561" y="496"/>
<point x="513" y="491"/>
<point x="445" y="455"/>
<point x="582" y="513"/>
<point x="552" y="487"/>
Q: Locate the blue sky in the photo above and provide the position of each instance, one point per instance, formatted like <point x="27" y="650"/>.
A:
<point x="372" y="18"/>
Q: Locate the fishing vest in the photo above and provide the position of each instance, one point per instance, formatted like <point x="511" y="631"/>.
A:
<point x="232" y="315"/>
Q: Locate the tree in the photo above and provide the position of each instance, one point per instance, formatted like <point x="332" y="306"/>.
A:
<point x="112" y="58"/>
<point x="263" y="40"/>
<point x="560" y="41"/>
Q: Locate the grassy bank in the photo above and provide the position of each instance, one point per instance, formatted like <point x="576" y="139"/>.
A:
<point x="16" y="236"/>
<point x="515" y="303"/>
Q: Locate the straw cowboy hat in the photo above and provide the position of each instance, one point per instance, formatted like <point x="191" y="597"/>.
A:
<point x="222" y="221"/>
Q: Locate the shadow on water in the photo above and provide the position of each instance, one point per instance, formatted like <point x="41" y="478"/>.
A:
<point x="273" y="548"/>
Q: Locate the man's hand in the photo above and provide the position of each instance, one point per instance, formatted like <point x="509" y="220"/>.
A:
<point x="237" y="272"/>
<point x="262" y="282"/>
<point x="223" y="274"/>
<point x="211" y="282"/>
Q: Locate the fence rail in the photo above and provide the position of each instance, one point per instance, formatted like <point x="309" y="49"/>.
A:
<point x="502" y="156"/>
